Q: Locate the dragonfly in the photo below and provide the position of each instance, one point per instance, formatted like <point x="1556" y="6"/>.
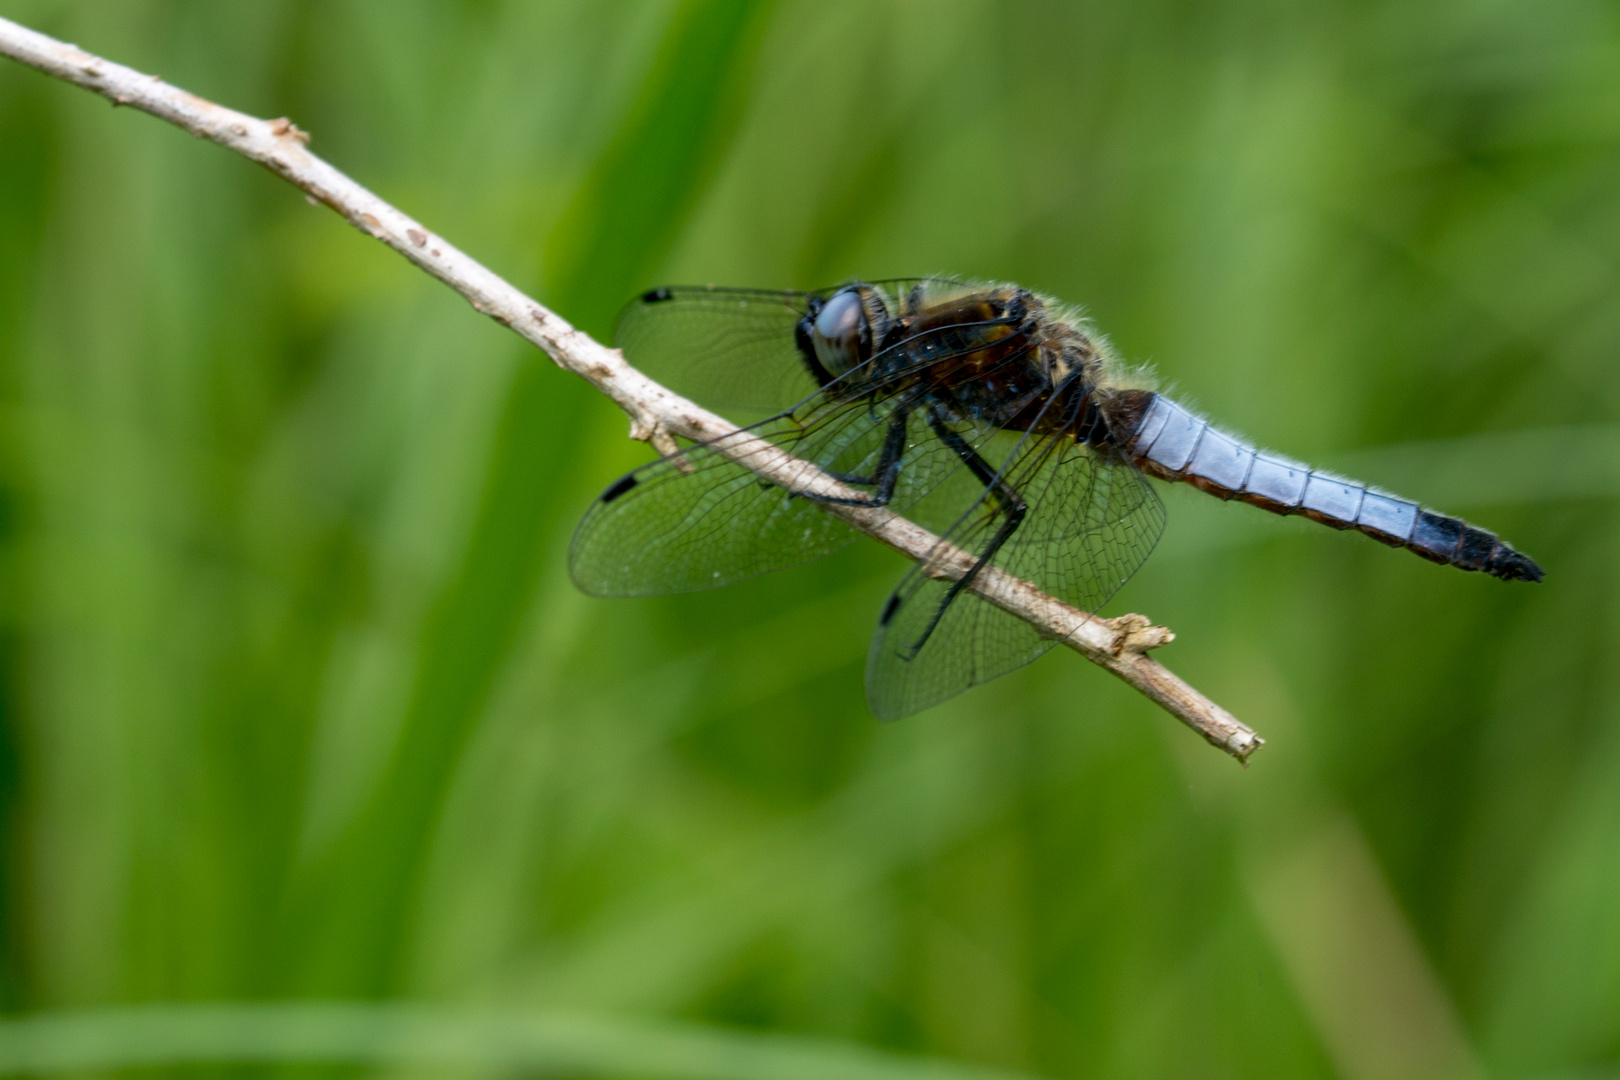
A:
<point x="996" y="417"/>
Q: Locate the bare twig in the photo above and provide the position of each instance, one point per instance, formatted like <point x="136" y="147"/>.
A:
<point x="656" y="414"/>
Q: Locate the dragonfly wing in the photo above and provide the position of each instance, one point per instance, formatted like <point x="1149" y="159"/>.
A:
<point x="1091" y="522"/>
<point x="724" y="348"/>
<point x="699" y="520"/>
<point x="734" y="349"/>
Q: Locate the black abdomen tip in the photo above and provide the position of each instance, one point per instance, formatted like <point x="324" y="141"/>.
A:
<point x="1449" y="540"/>
<point x="1510" y="565"/>
<point x="656" y="296"/>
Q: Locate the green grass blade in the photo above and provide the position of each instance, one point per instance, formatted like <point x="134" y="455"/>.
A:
<point x="404" y="1035"/>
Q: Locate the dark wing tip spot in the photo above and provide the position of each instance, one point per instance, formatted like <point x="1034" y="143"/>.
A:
<point x="889" y="609"/>
<point x="658" y="295"/>
<point x="619" y="487"/>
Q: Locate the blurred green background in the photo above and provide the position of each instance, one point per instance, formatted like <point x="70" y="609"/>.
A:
<point x="297" y="703"/>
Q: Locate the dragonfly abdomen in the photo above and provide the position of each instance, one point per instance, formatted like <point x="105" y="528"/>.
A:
<point x="1174" y="444"/>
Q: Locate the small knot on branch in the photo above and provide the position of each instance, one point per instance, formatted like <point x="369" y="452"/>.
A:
<point x="652" y="431"/>
<point x="1137" y="634"/>
<point x="283" y="128"/>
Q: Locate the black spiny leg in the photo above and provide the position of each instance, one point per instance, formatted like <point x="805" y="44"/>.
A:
<point x="887" y="473"/>
<point x="1008" y="502"/>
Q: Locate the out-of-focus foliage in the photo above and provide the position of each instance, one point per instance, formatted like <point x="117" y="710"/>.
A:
<point x="298" y="702"/>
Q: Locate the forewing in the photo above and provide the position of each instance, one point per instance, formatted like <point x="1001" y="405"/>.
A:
<point x="1091" y="523"/>
<point x="695" y="520"/>
<point x="698" y="520"/>
<point x="723" y="348"/>
<point x="735" y="349"/>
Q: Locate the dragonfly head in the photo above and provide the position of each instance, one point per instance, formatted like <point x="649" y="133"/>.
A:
<point x="841" y="332"/>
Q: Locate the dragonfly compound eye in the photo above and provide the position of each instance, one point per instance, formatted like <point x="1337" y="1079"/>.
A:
<point x="840" y="332"/>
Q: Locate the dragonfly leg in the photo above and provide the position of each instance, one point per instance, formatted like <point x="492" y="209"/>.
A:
<point x="885" y="476"/>
<point x="1007" y="501"/>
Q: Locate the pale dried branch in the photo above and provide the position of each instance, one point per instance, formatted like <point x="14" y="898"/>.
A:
<point x="656" y="414"/>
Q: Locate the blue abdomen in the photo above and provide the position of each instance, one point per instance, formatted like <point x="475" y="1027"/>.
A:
<point x="1175" y="444"/>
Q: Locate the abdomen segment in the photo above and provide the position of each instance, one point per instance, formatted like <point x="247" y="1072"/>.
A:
<point x="1174" y="444"/>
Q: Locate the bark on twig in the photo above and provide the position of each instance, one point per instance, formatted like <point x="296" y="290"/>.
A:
<point x="656" y="414"/>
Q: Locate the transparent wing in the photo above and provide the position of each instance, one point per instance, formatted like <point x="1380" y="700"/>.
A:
<point x="731" y="349"/>
<point x="1090" y="523"/>
<point x="698" y="520"/>
<point x="723" y="348"/>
